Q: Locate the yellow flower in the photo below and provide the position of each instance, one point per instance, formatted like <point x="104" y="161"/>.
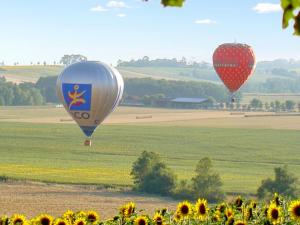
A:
<point x="3" y="220"/>
<point x="216" y="217"/>
<point x="80" y="221"/>
<point x="228" y="213"/>
<point x="177" y="217"/>
<point x="80" y="214"/>
<point x="127" y="210"/>
<point x="141" y="220"/>
<point x="274" y="213"/>
<point x="18" y="219"/>
<point x="248" y="213"/>
<point x="61" y="221"/>
<point x="69" y="215"/>
<point x="201" y="209"/>
<point x="92" y="216"/>
<point x="294" y="210"/>
<point x="239" y="222"/>
<point x="238" y="202"/>
<point x="184" y="209"/>
<point x="222" y="207"/>
<point x="158" y="219"/>
<point x="44" y="219"/>
<point x="230" y="221"/>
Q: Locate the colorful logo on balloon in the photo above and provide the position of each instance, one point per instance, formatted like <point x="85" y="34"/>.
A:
<point x="77" y="96"/>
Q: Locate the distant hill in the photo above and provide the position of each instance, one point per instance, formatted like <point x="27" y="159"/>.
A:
<point x="270" y="76"/>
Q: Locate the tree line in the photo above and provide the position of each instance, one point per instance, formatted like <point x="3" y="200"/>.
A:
<point x="22" y="94"/>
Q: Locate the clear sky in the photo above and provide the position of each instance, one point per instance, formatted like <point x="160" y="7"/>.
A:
<point x="108" y="30"/>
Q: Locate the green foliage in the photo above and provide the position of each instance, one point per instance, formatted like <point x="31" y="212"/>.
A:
<point x="23" y="94"/>
<point x="47" y="86"/>
<point x="207" y="183"/>
<point x="70" y="59"/>
<point x="290" y="105"/>
<point x="284" y="184"/>
<point x="150" y="175"/>
<point x="256" y="103"/>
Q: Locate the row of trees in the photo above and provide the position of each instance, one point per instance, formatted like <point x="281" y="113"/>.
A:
<point x="275" y="106"/>
<point x="147" y="62"/>
<point x="23" y="94"/>
<point x="151" y="175"/>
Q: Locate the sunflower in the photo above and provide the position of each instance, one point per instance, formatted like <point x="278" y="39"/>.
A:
<point x="274" y="213"/>
<point x="248" y="213"/>
<point x="44" y="219"/>
<point x="4" y="220"/>
<point x="201" y="209"/>
<point x="277" y="199"/>
<point x="158" y="219"/>
<point x="253" y="204"/>
<point x="294" y="210"/>
<point x="238" y="202"/>
<point x="216" y="217"/>
<point x="69" y="215"/>
<point x="221" y="208"/>
<point x="80" y="214"/>
<point x="128" y="209"/>
<point x="61" y="221"/>
<point x="239" y="222"/>
<point x="141" y="220"/>
<point x="230" y="221"/>
<point x="228" y="213"/>
<point x="184" y="209"/>
<point x="80" y="221"/>
<point x="18" y="219"/>
<point x="177" y="217"/>
<point x="92" y="216"/>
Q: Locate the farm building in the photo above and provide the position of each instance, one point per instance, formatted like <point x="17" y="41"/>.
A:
<point x="189" y="103"/>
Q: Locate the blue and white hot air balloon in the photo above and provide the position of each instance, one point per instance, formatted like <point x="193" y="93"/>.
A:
<point x="89" y="91"/>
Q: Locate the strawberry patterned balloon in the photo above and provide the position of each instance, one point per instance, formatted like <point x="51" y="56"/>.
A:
<point x="234" y="63"/>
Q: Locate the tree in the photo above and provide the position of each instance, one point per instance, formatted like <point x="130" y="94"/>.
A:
<point x="284" y="184"/>
<point x="256" y="103"/>
<point x="70" y="59"/>
<point x="207" y="183"/>
<point x="151" y="175"/>
<point x="290" y="105"/>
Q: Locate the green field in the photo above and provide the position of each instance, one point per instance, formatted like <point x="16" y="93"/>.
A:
<point x="55" y="152"/>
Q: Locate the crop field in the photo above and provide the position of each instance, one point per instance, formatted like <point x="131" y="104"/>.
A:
<point x="243" y="153"/>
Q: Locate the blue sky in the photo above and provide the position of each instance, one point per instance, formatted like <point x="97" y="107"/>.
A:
<point x="108" y="30"/>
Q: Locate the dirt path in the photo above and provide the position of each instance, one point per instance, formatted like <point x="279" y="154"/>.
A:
<point x="35" y="198"/>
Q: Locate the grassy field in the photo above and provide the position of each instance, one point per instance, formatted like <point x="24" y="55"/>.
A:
<point x="242" y="154"/>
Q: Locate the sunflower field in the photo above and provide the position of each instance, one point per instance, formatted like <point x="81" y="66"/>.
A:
<point x="238" y="212"/>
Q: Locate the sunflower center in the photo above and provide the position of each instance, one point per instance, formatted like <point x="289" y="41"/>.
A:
<point x="18" y="221"/>
<point x="45" y="221"/>
<point x="202" y="209"/>
<point x="159" y="221"/>
<point x="91" y="217"/>
<point x="80" y="223"/>
<point x="61" y="223"/>
<point x="184" y="209"/>
<point x="142" y="222"/>
<point x="297" y="210"/>
<point x="275" y="214"/>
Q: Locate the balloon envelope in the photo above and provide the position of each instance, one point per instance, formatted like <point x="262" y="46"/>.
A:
<point x="234" y="63"/>
<point x="89" y="91"/>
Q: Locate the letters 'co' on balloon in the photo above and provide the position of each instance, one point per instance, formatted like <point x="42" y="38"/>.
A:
<point x="89" y="91"/>
<point x="234" y="63"/>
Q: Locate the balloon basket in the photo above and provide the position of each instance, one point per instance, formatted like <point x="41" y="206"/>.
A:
<point x="88" y="143"/>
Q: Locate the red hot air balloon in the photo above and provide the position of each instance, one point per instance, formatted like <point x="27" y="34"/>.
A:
<point x="234" y="63"/>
